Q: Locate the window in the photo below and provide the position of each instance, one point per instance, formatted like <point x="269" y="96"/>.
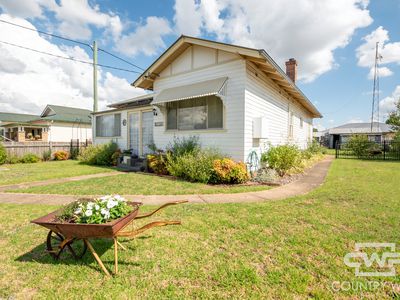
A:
<point x="301" y="122"/>
<point x="108" y="125"/>
<point x="291" y="117"/>
<point x="195" y="114"/>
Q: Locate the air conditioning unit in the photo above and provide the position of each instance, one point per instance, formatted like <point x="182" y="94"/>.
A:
<point x="260" y="128"/>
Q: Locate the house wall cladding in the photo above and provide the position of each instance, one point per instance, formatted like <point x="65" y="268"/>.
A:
<point x="230" y="139"/>
<point x="265" y="99"/>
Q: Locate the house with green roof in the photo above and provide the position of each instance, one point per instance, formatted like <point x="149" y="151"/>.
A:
<point x="55" y="124"/>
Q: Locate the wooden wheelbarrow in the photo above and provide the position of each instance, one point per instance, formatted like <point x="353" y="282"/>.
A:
<point x="75" y="237"/>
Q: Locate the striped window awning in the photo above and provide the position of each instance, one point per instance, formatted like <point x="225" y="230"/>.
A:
<point x="214" y="87"/>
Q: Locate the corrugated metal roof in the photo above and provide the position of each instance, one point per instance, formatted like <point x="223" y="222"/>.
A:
<point x="145" y="99"/>
<point x="12" y="117"/>
<point x="358" y="128"/>
<point x="190" y="91"/>
<point x="50" y="113"/>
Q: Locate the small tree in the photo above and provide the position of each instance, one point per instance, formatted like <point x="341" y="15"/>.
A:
<point x="359" y="144"/>
<point x="394" y="117"/>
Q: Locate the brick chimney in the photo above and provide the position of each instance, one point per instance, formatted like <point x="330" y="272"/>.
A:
<point x="291" y="69"/>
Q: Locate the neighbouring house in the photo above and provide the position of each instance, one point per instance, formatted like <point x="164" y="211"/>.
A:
<point x="378" y="133"/>
<point x="234" y="98"/>
<point x="54" y="124"/>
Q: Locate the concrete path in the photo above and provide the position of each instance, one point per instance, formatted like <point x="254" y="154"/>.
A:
<point x="313" y="178"/>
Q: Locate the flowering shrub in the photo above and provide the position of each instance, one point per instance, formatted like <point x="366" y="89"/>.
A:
<point x="95" y="211"/>
<point x="157" y="163"/>
<point x="61" y="155"/>
<point x="228" y="171"/>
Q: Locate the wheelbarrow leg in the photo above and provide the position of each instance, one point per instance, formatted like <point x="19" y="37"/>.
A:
<point x="119" y="244"/>
<point x="115" y="256"/>
<point x="96" y="257"/>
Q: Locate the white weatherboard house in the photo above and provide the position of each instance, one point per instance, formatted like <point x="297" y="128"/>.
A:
<point x="233" y="98"/>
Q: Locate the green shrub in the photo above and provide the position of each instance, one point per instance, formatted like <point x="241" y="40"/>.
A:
<point x="157" y="163"/>
<point x="29" y="158"/>
<point x="3" y="154"/>
<point x="99" y="154"/>
<point x="193" y="166"/>
<point x="282" y="158"/>
<point x="12" y="159"/>
<point x="182" y="146"/>
<point x="61" y="155"/>
<point x="359" y="144"/>
<point x="46" y="155"/>
<point x="74" y="153"/>
<point x="228" y="171"/>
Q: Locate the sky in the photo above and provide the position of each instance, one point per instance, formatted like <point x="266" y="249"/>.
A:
<point x="333" y="42"/>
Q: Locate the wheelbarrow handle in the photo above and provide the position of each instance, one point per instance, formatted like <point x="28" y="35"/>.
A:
<point x="133" y="233"/>
<point x="161" y="207"/>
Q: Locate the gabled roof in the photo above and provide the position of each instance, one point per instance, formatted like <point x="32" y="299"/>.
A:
<point x="66" y="114"/>
<point x="257" y="56"/>
<point x="359" y="128"/>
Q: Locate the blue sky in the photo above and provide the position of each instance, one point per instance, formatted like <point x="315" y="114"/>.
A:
<point x="326" y="37"/>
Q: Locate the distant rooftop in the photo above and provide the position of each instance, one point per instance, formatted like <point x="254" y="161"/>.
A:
<point x="358" y="128"/>
<point x="50" y="113"/>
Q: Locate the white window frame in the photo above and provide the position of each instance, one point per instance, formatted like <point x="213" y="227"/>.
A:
<point x="195" y="130"/>
<point x="112" y="136"/>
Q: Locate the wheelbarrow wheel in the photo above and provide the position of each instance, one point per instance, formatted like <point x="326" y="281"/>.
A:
<point x="56" y="244"/>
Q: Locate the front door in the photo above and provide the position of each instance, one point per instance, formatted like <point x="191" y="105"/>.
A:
<point x="140" y="132"/>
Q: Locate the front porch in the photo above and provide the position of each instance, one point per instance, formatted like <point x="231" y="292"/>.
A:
<point x="20" y="133"/>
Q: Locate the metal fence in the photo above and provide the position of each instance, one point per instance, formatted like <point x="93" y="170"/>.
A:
<point x="386" y="150"/>
<point x="19" y="149"/>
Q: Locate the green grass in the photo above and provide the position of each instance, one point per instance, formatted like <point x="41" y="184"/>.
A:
<point x="19" y="173"/>
<point x="289" y="249"/>
<point x="137" y="184"/>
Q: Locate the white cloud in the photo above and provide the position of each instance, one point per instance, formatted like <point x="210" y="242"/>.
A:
<point x="74" y="17"/>
<point x="388" y="104"/>
<point x="309" y="30"/>
<point x="382" y="72"/>
<point x="390" y="52"/>
<point x="187" y="17"/>
<point x="47" y="79"/>
<point x="146" y="39"/>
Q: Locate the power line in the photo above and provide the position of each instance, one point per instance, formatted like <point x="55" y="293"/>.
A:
<point x="46" y="33"/>
<point x="113" y="55"/>
<point x="70" y="40"/>
<point x="69" y="58"/>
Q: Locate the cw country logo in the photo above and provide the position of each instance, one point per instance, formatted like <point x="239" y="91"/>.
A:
<point x="379" y="263"/>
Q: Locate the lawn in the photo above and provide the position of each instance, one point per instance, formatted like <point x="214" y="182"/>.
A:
<point x="18" y="173"/>
<point x="137" y="184"/>
<point x="288" y="249"/>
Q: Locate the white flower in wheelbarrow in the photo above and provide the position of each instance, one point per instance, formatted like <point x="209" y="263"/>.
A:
<point x="105" y="213"/>
<point x="88" y="213"/>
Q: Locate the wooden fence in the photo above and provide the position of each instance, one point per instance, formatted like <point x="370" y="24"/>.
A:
<point x="19" y="149"/>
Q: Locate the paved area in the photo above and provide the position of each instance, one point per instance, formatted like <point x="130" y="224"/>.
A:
<point x="314" y="177"/>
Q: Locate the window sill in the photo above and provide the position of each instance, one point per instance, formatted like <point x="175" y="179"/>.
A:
<point x="222" y="130"/>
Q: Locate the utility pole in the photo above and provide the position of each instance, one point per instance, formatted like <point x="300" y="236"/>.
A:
<point x="95" y="108"/>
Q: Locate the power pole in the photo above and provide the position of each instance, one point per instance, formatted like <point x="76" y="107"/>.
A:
<point x="95" y="108"/>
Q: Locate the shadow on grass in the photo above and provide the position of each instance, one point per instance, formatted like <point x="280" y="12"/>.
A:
<point x="40" y="255"/>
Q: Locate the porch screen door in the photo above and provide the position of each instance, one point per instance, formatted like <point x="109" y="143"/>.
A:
<point x="134" y="132"/>
<point x="147" y="131"/>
